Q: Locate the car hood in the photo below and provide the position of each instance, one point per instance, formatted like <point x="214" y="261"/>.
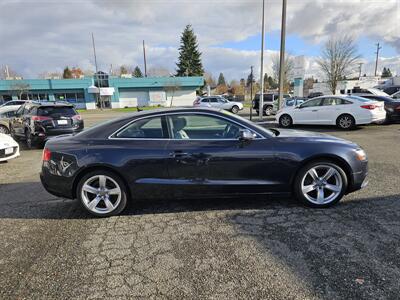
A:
<point x="7" y="141"/>
<point x="310" y="136"/>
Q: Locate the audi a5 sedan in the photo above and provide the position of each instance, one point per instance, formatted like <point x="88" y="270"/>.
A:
<point x="196" y="153"/>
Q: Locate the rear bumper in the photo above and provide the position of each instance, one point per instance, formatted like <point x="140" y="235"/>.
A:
<point x="44" y="136"/>
<point x="59" y="186"/>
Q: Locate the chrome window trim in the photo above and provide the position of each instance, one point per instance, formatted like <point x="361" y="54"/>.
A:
<point x="110" y="137"/>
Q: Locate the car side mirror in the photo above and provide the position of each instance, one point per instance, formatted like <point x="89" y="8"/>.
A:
<point x="246" y="135"/>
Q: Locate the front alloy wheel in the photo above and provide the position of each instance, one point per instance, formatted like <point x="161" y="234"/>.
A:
<point x="268" y="111"/>
<point x="285" y="121"/>
<point x="4" y="129"/>
<point x="321" y="184"/>
<point x="102" y="194"/>
<point x="235" y="109"/>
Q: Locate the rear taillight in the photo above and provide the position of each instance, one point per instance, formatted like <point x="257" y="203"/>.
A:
<point x="77" y="117"/>
<point x="369" y="106"/>
<point x="46" y="154"/>
<point x="398" y="107"/>
<point x="40" y="118"/>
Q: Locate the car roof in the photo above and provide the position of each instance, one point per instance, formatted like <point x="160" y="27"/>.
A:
<point x="50" y="103"/>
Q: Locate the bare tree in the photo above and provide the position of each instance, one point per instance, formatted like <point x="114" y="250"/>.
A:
<point x="158" y="72"/>
<point x="7" y="71"/>
<point x="21" y="88"/>
<point x="338" y="59"/>
<point x="171" y="87"/>
<point x="288" y="69"/>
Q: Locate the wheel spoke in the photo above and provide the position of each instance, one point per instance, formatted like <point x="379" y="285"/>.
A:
<point x="329" y="174"/>
<point x="308" y="188"/>
<point x="313" y="174"/>
<point x="102" y="181"/>
<point x="333" y="188"/>
<point x="89" y="189"/>
<point x="108" y="203"/>
<point x="114" y="191"/>
<point x="92" y="204"/>
<point x="320" y="195"/>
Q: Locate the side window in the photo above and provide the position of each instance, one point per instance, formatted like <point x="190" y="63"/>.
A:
<point x="26" y="110"/>
<point x="205" y="100"/>
<point x="213" y="100"/>
<point x="311" y="103"/>
<point x="33" y="111"/>
<point x="202" y="127"/>
<point x="150" y="128"/>
<point x="20" y="110"/>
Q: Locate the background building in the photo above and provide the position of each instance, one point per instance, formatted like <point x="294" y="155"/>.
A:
<point x="109" y="91"/>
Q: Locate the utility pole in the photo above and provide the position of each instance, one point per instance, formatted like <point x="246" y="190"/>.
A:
<point x="97" y="70"/>
<point x="144" y="59"/>
<point x="377" y="57"/>
<point x="261" y="100"/>
<point x="251" y="92"/>
<point x="360" y="68"/>
<point x="282" y="54"/>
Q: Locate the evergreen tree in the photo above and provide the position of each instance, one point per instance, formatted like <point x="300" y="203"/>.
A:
<point x="137" y="72"/>
<point x="221" y="79"/>
<point x="67" y="74"/>
<point x="189" y="61"/>
<point x="386" y="73"/>
<point x="250" y="79"/>
<point x="123" y="70"/>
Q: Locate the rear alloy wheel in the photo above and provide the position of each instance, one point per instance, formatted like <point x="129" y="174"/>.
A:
<point x="285" y="121"/>
<point x="102" y="193"/>
<point x="235" y="109"/>
<point x="320" y="184"/>
<point x="345" y="122"/>
<point x="268" y="111"/>
<point x="4" y="129"/>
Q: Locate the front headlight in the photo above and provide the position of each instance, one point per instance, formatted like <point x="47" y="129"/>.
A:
<point x="361" y="155"/>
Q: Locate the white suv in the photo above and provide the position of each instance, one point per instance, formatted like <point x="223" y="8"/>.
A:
<point x="218" y="102"/>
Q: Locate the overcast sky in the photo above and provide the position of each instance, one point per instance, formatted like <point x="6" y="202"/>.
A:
<point x="38" y="36"/>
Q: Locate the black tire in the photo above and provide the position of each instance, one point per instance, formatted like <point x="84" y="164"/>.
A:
<point x="124" y="192"/>
<point x="285" y="121"/>
<point x="13" y="135"/>
<point x="346" y="122"/>
<point x="235" y="109"/>
<point x="268" y="110"/>
<point x="4" y="129"/>
<point x="297" y="188"/>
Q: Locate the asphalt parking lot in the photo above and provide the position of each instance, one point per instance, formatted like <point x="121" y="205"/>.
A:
<point x="220" y="249"/>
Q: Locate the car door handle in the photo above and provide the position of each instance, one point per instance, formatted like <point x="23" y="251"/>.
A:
<point x="179" y="154"/>
<point x="314" y="110"/>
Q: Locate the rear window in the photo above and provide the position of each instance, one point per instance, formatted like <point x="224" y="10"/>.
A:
<point x="51" y="111"/>
<point x="361" y="99"/>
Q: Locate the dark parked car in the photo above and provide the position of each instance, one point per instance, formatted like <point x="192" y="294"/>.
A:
<point x="315" y="94"/>
<point x="390" y="90"/>
<point x="268" y="103"/>
<point x="392" y="107"/>
<point x="36" y="122"/>
<point x="197" y="153"/>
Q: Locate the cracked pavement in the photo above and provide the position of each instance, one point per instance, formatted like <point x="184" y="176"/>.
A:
<point x="205" y="249"/>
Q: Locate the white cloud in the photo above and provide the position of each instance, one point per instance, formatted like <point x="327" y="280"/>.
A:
<point x="47" y="35"/>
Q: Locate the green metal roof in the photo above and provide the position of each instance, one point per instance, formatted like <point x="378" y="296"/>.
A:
<point x="117" y="82"/>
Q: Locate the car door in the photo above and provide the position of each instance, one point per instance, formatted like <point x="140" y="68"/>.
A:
<point x="142" y="145"/>
<point x="207" y="157"/>
<point x="214" y="102"/>
<point x="308" y="112"/>
<point x="17" y="122"/>
<point x="331" y="108"/>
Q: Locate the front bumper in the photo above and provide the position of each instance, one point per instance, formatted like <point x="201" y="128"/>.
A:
<point x="359" y="179"/>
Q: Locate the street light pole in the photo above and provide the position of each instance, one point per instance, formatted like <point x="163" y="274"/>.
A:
<point x="282" y="54"/>
<point x="261" y="100"/>
<point x="251" y="92"/>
